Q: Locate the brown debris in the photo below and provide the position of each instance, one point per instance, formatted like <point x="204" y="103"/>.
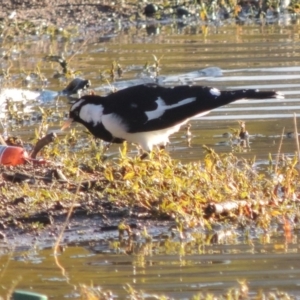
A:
<point x="49" y="138"/>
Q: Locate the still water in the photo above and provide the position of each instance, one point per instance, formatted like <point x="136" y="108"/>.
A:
<point x="166" y="265"/>
<point x="248" y="56"/>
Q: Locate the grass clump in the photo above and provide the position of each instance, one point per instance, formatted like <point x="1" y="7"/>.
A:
<point x="165" y="186"/>
<point x="220" y="187"/>
<point x="240" y="292"/>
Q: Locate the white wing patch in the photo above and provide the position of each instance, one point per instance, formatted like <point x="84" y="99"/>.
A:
<point x="215" y="92"/>
<point x="91" y="113"/>
<point x="77" y="104"/>
<point x="162" y="107"/>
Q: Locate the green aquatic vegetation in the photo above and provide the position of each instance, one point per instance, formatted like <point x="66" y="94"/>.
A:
<point x="219" y="188"/>
<point x="162" y="181"/>
<point x="64" y="63"/>
<point x="13" y="28"/>
<point x="163" y="186"/>
<point x="111" y="74"/>
<point x="16" y="35"/>
<point x="294" y="7"/>
<point x="241" y="291"/>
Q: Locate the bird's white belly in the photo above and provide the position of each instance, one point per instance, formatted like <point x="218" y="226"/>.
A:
<point x="147" y="139"/>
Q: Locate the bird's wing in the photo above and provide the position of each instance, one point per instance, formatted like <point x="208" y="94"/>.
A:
<point x="151" y="107"/>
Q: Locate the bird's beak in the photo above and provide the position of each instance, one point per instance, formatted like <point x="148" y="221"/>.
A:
<point x="67" y="124"/>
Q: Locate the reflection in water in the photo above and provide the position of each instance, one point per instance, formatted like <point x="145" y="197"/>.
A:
<point x="153" y="29"/>
<point x="168" y="264"/>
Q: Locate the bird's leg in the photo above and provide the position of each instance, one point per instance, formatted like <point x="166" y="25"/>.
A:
<point x="142" y="154"/>
<point x="244" y="135"/>
<point x="189" y="134"/>
<point x="106" y="147"/>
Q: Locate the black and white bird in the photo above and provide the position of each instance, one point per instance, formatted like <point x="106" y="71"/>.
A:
<point x="148" y="114"/>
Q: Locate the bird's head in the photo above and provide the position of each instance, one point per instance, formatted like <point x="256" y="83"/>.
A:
<point x="87" y="111"/>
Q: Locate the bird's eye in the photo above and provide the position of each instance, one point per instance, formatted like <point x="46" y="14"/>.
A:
<point x="74" y="114"/>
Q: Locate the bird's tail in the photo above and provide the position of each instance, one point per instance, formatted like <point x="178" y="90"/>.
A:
<point x="253" y="94"/>
<point x="211" y="98"/>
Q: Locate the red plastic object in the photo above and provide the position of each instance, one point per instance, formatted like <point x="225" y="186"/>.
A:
<point x="12" y="156"/>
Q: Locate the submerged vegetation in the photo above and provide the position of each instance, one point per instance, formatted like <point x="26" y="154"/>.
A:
<point x="235" y="293"/>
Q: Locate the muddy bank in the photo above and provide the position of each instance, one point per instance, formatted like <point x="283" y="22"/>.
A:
<point x="32" y="200"/>
<point x="68" y="13"/>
